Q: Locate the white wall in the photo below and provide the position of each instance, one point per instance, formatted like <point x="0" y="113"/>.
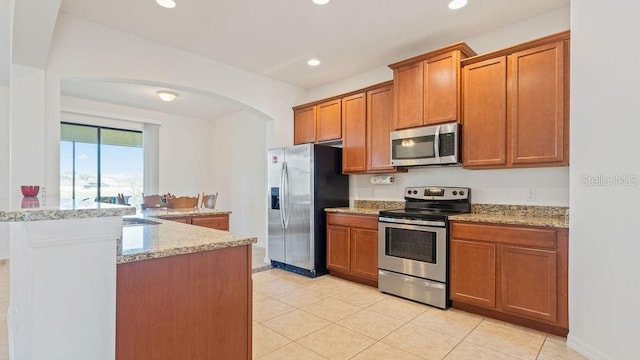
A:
<point x="506" y="186"/>
<point x="603" y="256"/>
<point x="185" y="144"/>
<point x="238" y="170"/>
<point x="489" y="186"/>
<point x="82" y="49"/>
<point x="27" y="128"/>
<point x="539" y="26"/>
<point x="4" y="165"/>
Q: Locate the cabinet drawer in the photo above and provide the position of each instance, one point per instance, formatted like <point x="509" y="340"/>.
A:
<point x="214" y="222"/>
<point x="543" y="238"/>
<point x="350" y="220"/>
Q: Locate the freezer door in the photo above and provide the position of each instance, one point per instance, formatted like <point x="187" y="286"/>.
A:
<point x="299" y="201"/>
<point x="274" y="191"/>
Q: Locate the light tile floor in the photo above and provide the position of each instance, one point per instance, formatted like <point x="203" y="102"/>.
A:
<point x="296" y="317"/>
<point x="299" y="318"/>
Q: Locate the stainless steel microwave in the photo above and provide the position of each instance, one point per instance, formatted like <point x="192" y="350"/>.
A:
<point x="427" y="145"/>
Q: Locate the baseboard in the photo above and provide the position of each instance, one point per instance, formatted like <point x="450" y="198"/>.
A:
<point x="585" y="349"/>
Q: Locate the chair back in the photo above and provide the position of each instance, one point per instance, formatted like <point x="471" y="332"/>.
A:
<point x="150" y="201"/>
<point x="183" y="202"/>
<point x="209" y="201"/>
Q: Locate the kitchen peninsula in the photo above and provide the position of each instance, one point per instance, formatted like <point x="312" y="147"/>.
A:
<point x="188" y="284"/>
<point x="183" y="292"/>
<point x="62" y="277"/>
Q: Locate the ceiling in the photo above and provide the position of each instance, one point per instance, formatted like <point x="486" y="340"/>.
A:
<point x="190" y="102"/>
<point x="275" y="38"/>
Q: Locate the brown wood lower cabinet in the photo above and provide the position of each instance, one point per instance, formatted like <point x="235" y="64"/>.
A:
<point x="352" y="247"/>
<point x="192" y="306"/>
<point x="513" y="273"/>
<point x="219" y="222"/>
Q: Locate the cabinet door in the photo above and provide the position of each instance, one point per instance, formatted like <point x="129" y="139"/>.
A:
<point x="441" y="75"/>
<point x="338" y="246"/>
<point x="186" y="220"/>
<point x="364" y="253"/>
<point x="473" y="272"/>
<point x="379" y="118"/>
<point x="536" y="105"/>
<point x="408" y="96"/>
<point x="484" y="134"/>
<point x="220" y="222"/>
<point x="529" y="282"/>
<point x="354" y="140"/>
<point x="304" y="125"/>
<point x="328" y="120"/>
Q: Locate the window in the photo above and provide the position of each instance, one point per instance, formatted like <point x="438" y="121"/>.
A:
<point x="98" y="163"/>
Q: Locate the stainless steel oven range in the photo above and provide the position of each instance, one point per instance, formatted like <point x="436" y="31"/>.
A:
<point x="413" y="244"/>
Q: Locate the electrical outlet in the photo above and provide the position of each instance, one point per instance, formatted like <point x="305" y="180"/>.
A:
<point x="531" y="194"/>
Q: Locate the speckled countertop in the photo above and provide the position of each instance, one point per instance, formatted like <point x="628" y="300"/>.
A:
<point x="367" y="207"/>
<point x="545" y="216"/>
<point x="173" y="238"/>
<point x="176" y="213"/>
<point x="36" y="208"/>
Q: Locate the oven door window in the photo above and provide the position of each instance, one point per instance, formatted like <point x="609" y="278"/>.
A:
<point x="416" y="245"/>
<point x="421" y="147"/>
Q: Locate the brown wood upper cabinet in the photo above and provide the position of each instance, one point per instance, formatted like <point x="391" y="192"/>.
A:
<point x="515" y="105"/>
<point x="427" y="87"/>
<point x="317" y="123"/>
<point x="366" y="125"/>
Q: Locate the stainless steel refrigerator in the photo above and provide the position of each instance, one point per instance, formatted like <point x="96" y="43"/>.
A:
<point x="303" y="180"/>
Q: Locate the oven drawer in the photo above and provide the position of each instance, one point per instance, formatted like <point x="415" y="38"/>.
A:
<point x="414" y="288"/>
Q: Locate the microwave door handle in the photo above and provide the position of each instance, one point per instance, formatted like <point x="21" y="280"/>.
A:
<point x="436" y="143"/>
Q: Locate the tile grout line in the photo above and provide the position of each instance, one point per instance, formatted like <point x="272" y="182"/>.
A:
<point x="546" y="336"/>
<point x="461" y="340"/>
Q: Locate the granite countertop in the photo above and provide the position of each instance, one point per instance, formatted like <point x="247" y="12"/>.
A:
<point x="164" y="213"/>
<point x="170" y="238"/>
<point x="367" y="207"/>
<point x="544" y="216"/>
<point x="52" y="208"/>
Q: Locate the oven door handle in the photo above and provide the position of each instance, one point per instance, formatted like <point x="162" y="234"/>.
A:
<point x="411" y="222"/>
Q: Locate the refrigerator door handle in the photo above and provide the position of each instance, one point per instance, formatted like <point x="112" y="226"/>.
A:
<point x="281" y="195"/>
<point x="285" y="204"/>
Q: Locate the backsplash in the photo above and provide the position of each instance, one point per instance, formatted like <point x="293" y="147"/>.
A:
<point x="550" y="186"/>
<point x="378" y="204"/>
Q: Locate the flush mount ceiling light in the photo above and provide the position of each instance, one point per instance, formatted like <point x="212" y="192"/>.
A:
<point x="457" y="4"/>
<point x="167" y="95"/>
<point x="313" y="62"/>
<point x="320" y="2"/>
<point x="169" y="4"/>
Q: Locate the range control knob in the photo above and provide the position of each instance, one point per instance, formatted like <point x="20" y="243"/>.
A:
<point x="461" y="193"/>
<point x="415" y="192"/>
<point x="456" y="193"/>
<point x="409" y="192"/>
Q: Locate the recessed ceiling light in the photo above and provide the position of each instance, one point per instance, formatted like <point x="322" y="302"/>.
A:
<point x="313" y="62"/>
<point x="169" y="4"/>
<point x="457" y="4"/>
<point x="167" y="95"/>
<point x="320" y="2"/>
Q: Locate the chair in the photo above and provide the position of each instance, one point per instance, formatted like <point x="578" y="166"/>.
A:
<point x="183" y="202"/>
<point x="209" y="201"/>
<point x="120" y="200"/>
<point x="150" y="201"/>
